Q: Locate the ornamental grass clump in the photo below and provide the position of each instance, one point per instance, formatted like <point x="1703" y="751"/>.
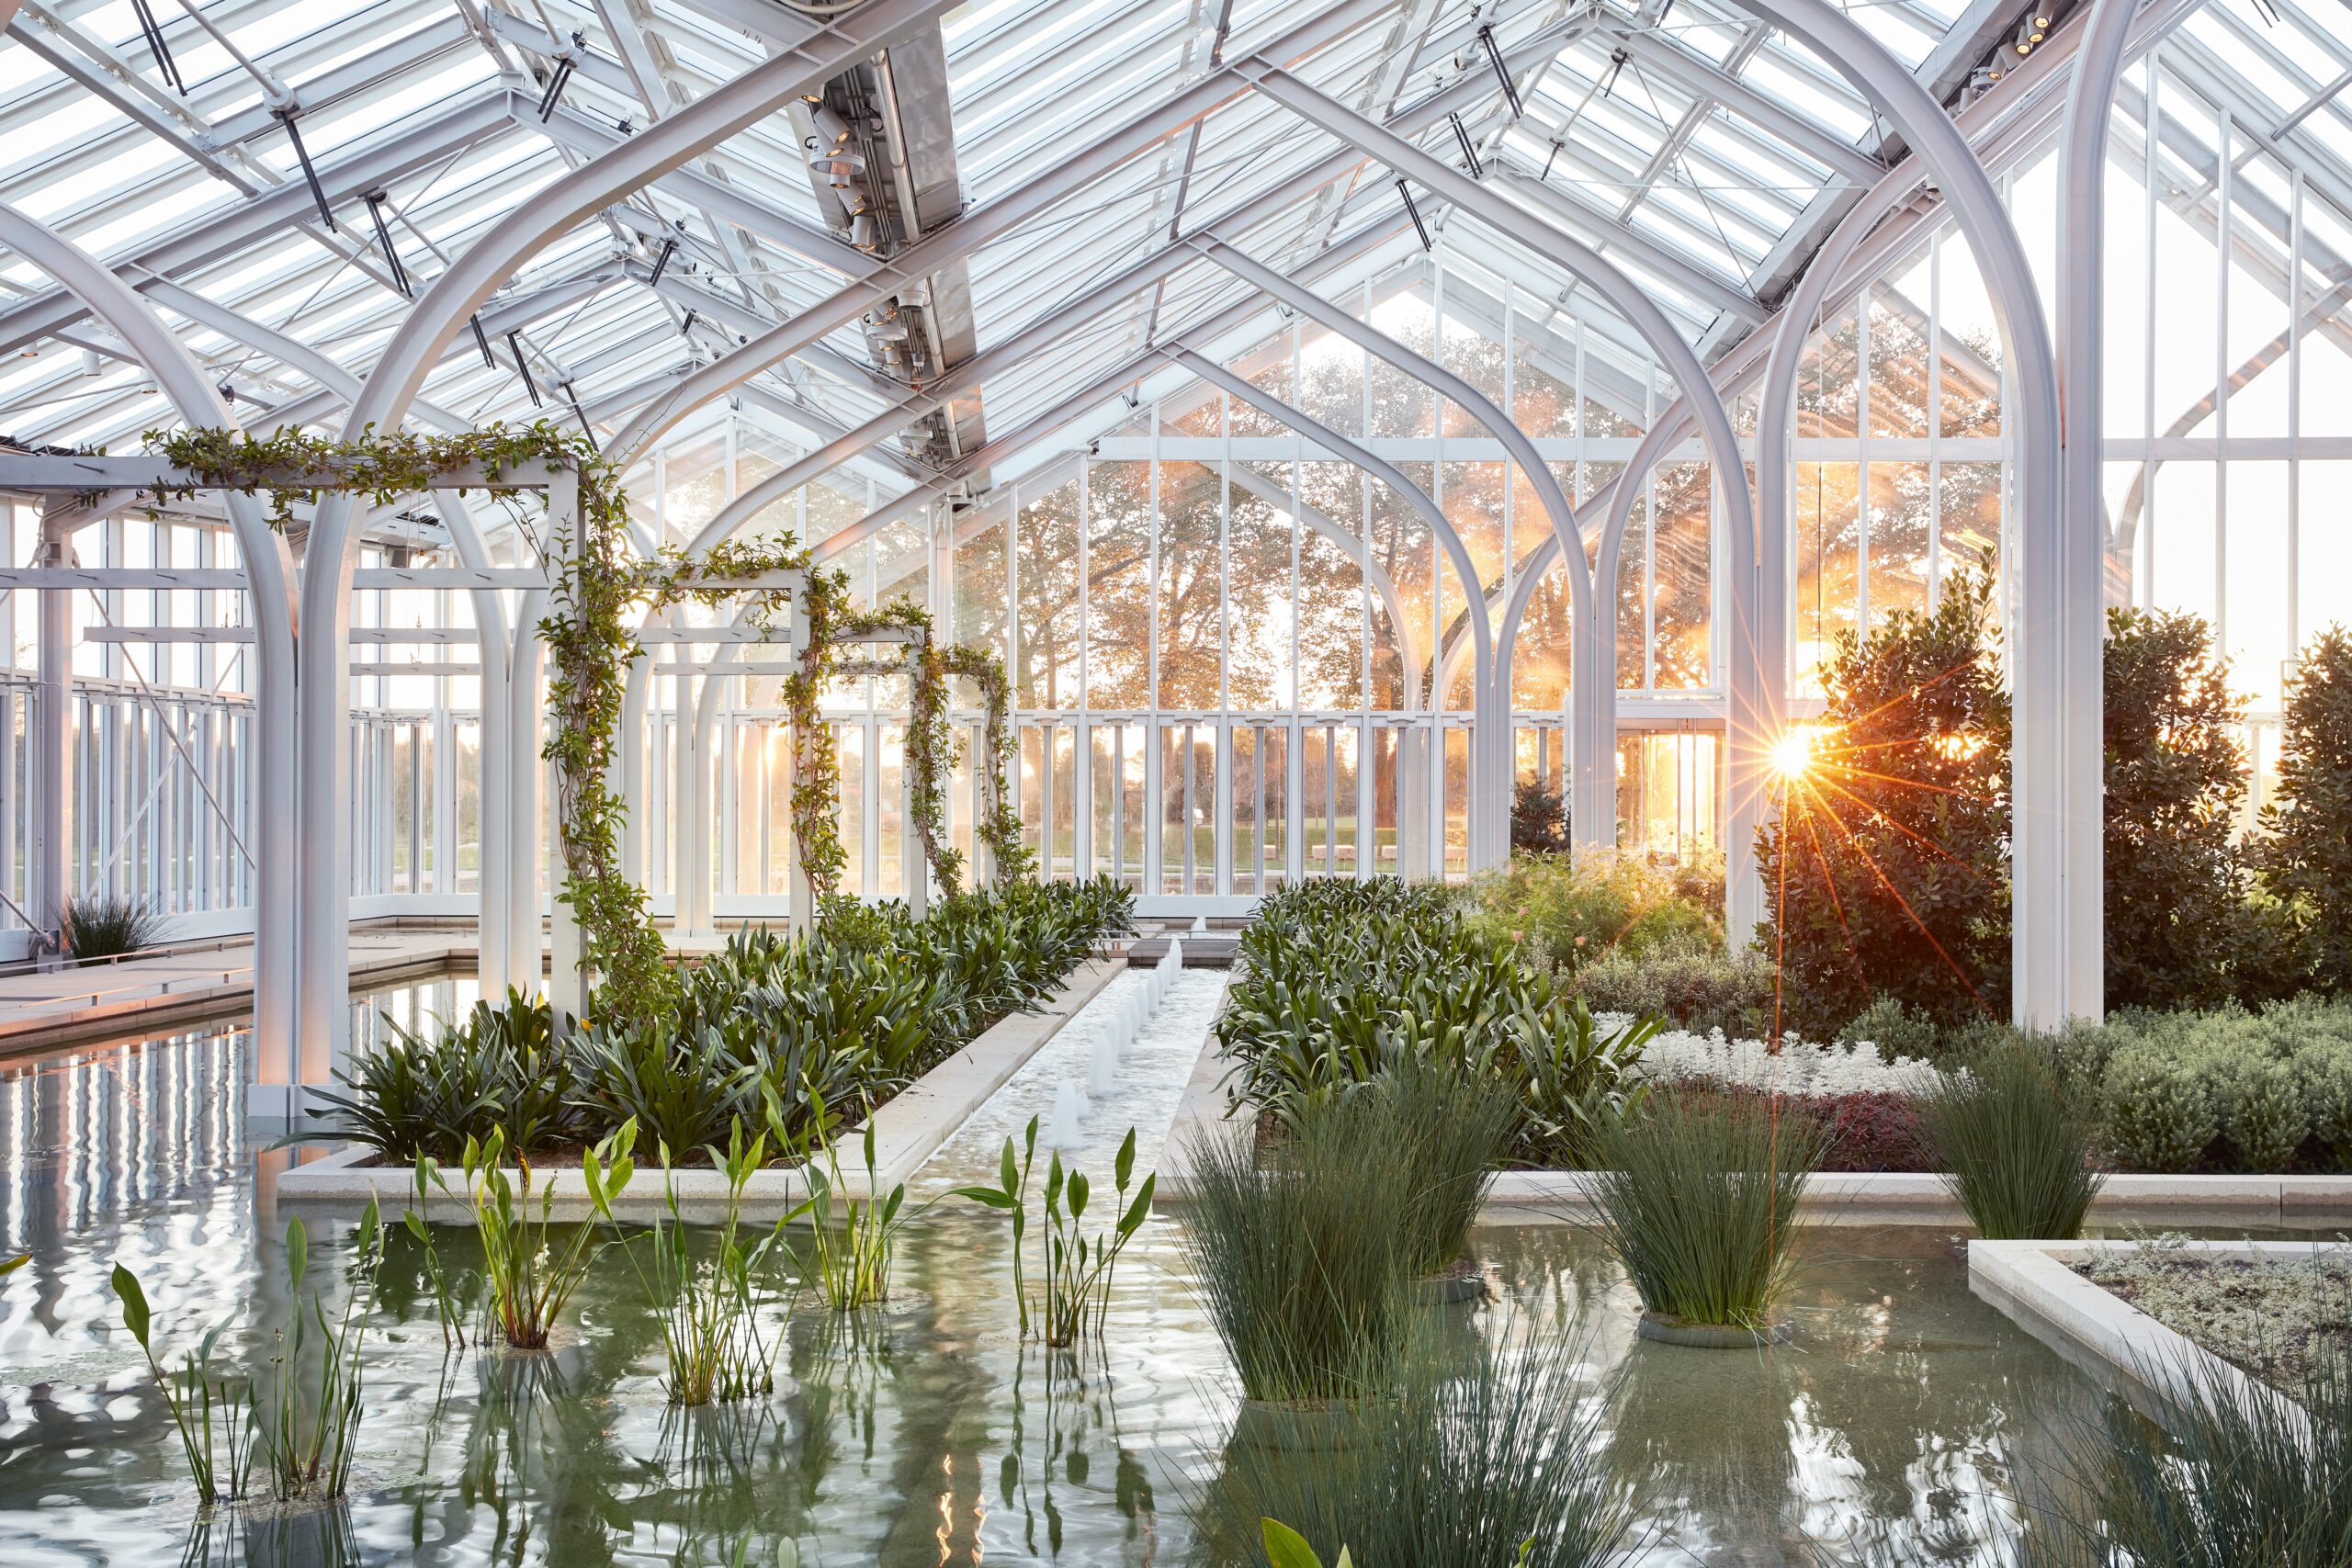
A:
<point x="1498" y="1468"/>
<point x="96" y="925"/>
<point x="2013" y="1150"/>
<point x="1300" y="1259"/>
<point x="2234" y="1475"/>
<point x="1698" y="1196"/>
<point x="1450" y="1131"/>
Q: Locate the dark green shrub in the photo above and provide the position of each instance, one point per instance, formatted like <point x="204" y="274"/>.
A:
<point x="1895" y="1029"/>
<point x="1539" y="819"/>
<point x="2180" y="931"/>
<point x="2308" y="856"/>
<point x="96" y="925"/>
<point x="1889" y="857"/>
<point x="2013" y="1150"/>
<point x="1690" y="982"/>
<point x="1698" y="1196"/>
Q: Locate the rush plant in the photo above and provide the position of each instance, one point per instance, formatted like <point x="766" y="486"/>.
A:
<point x="444" y="1298"/>
<point x="851" y="1263"/>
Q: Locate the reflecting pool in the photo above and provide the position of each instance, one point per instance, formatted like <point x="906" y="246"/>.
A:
<point x="1891" y="1429"/>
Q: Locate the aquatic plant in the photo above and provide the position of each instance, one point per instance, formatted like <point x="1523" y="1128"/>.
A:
<point x="196" y="1395"/>
<point x="1698" y="1197"/>
<point x="530" y="1274"/>
<point x="309" y="1424"/>
<point x="445" y="1309"/>
<point x="1079" y="1269"/>
<point x="2233" y="1475"/>
<point x="711" y="1333"/>
<point x="1498" y="1468"/>
<point x="96" y="925"/>
<point x="852" y="1265"/>
<point x="1300" y="1262"/>
<point x="1285" y="1548"/>
<point x="2014" y="1150"/>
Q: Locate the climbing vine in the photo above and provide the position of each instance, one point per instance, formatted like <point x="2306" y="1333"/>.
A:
<point x="591" y="642"/>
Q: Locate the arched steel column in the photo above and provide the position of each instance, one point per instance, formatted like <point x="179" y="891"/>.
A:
<point x="1485" y="720"/>
<point x="1495" y="813"/>
<point x="324" y="897"/>
<point x="1729" y="468"/>
<point x="2054" y="849"/>
<point x="2081" y="390"/>
<point x="269" y="568"/>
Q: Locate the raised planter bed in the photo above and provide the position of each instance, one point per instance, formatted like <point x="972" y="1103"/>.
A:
<point x="907" y="1129"/>
<point x="2035" y="1283"/>
<point x="1867" y="1197"/>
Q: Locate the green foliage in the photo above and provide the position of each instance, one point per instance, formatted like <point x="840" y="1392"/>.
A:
<point x="308" y="1426"/>
<point x="1497" y="1465"/>
<point x="1698" y="1197"/>
<point x="1569" y="913"/>
<point x="2183" y="928"/>
<point x="2231" y="1478"/>
<point x="1689" y="981"/>
<point x="1079" y="1270"/>
<point x="1885" y="867"/>
<point x="195" y="1395"/>
<point x="499" y="1070"/>
<point x="716" y="1346"/>
<point x="531" y="1271"/>
<point x="445" y="1308"/>
<point x="1339" y="980"/>
<point x="95" y="926"/>
<point x="1300" y="1261"/>
<point x="2309" y="853"/>
<point x="1895" y="1029"/>
<point x="852" y="1012"/>
<point x="2015" y="1150"/>
<point x="1539" y="819"/>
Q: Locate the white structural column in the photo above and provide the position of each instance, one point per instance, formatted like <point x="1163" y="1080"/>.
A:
<point x="1486" y="716"/>
<point x="1594" y="644"/>
<point x="53" y="727"/>
<point x="392" y="390"/>
<point x="2082" y="516"/>
<point x="2056" y="761"/>
<point x="1494" y="740"/>
<point x="270" y="570"/>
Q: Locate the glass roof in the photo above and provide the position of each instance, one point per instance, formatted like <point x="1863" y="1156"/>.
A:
<point x="1702" y="152"/>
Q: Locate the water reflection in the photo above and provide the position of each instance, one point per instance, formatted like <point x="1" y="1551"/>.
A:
<point x="1896" y="1427"/>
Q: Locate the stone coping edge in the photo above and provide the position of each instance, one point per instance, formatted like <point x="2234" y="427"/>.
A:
<point x="2033" y="1283"/>
<point x="1522" y="1197"/>
<point x="907" y="1129"/>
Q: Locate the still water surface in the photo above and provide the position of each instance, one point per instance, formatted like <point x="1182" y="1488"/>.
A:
<point x="1890" y="1430"/>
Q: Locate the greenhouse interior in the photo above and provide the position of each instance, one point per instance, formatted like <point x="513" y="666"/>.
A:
<point x="1272" y="784"/>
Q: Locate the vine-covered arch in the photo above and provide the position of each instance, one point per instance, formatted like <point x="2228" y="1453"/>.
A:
<point x="603" y="589"/>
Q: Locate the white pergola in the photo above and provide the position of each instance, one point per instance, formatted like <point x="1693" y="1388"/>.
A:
<point x="601" y="205"/>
